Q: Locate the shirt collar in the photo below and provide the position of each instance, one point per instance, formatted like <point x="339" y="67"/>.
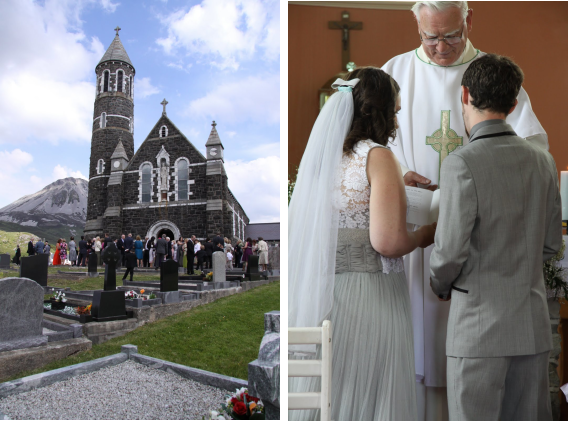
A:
<point x="484" y="124"/>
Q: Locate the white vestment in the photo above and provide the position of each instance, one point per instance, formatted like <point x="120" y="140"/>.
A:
<point x="430" y="114"/>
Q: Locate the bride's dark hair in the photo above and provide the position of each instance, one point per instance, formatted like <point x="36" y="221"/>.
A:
<point x="374" y="100"/>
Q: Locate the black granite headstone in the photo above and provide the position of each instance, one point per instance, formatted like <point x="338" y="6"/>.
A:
<point x="92" y="270"/>
<point x="169" y="276"/>
<point x="108" y="305"/>
<point x="111" y="256"/>
<point x="252" y="268"/>
<point x="4" y="261"/>
<point x="35" y="268"/>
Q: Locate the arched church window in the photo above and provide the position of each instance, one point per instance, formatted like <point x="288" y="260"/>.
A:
<point x="106" y="78"/>
<point x="131" y="87"/>
<point x="100" y="166"/>
<point x="164" y="131"/>
<point x="146" y="182"/>
<point x="103" y="120"/>
<point x="119" y="81"/>
<point x="182" y="175"/>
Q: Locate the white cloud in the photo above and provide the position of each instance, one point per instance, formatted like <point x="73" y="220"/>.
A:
<point x="228" y="32"/>
<point x="262" y="204"/>
<point x="14" y="161"/>
<point x="252" y="99"/>
<point x="61" y="172"/>
<point x="46" y="72"/>
<point x="109" y="6"/>
<point x="144" y="88"/>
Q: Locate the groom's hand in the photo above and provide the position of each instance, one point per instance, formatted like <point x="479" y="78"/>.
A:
<point x="441" y="297"/>
<point x="413" y="179"/>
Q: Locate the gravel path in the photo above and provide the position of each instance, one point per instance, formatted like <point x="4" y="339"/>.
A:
<point x="126" y="391"/>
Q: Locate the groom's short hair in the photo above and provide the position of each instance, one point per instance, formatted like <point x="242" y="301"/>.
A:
<point x="494" y="83"/>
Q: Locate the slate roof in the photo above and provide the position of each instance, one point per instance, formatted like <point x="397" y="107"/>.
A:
<point x="214" y="138"/>
<point x="119" y="152"/>
<point x="116" y="52"/>
<point x="268" y="231"/>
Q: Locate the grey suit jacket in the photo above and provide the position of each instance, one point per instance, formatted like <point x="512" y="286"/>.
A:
<point x="500" y="219"/>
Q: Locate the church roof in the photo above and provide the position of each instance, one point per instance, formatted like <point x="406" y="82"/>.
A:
<point x="116" y="52"/>
<point x="268" y="231"/>
<point x="214" y="137"/>
<point x="119" y="152"/>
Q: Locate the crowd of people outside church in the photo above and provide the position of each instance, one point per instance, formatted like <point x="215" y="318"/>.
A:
<point x="151" y="252"/>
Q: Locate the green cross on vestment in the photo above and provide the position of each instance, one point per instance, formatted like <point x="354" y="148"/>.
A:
<point x="444" y="140"/>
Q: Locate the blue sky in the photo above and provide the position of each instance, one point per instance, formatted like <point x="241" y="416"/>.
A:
<point x="212" y="60"/>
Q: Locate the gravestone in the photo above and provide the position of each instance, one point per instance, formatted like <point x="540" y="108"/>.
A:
<point x="111" y="257"/>
<point x="35" y="268"/>
<point x="264" y="372"/>
<point x="4" y="261"/>
<point x="219" y="264"/>
<point x="110" y="303"/>
<point x="92" y="270"/>
<point x="252" y="268"/>
<point x="21" y="314"/>
<point x="169" y="276"/>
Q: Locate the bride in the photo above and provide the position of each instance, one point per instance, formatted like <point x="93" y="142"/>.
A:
<point x="348" y="215"/>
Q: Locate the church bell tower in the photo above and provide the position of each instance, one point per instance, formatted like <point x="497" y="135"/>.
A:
<point x="113" y="122"/>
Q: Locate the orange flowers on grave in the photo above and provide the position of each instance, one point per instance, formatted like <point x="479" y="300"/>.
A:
<point x="142" y="291"/>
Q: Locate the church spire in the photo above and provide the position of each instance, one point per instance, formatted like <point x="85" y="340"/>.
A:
<point x="214" y="146"/>
<point x="116" y="51"/>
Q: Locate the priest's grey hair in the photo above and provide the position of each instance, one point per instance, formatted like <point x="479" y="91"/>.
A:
<point x="439" y="6"/>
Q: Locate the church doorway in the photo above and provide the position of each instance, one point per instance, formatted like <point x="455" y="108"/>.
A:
<point x="168" y="233"/>
<point x="164" y="227"/>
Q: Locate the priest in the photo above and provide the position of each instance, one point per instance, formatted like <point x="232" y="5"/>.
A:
<point x="430" y="128"/>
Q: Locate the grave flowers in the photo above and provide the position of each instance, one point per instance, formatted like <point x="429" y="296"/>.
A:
<point x="58" y="300"/>
<point x="84" y="310"/>
<point x="240" y="406"/>
<point x="208" y="277"/>
<point x="131" y="295"/>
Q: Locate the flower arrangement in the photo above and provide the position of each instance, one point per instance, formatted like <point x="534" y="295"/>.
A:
<point x="208" y="277"/>
<point x="555" y="274"/>
<point x="84" y="310"/>
<point x="152" y="296"/>
<point x="240" y="406"/>
<point x="130" y="295"/>
<point x="59" y="296"/>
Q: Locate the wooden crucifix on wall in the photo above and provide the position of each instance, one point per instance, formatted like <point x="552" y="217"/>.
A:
<point x="345" y="25"/>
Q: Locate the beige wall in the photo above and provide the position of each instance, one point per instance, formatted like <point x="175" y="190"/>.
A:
<point x="533" y="34"/>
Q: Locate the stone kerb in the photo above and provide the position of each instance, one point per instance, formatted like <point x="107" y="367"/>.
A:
<point x="219" y="263"/>
<point x="264" y="372"/>
<point x="21" y="314"/>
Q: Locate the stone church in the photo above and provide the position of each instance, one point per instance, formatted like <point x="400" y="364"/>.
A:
<point x="167" y="185"/>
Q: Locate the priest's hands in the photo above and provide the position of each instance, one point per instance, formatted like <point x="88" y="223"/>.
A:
<point x="413" y="179"/>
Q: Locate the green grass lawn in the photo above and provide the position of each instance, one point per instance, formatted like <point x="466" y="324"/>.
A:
<point x="221" y="337"/>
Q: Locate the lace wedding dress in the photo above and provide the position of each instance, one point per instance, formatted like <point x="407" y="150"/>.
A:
<point x="373" y="355"/>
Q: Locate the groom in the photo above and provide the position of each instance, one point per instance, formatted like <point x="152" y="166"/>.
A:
<point x="500" y="219"/>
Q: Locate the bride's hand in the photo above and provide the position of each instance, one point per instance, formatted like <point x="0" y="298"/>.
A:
<point x="427" y="232"/>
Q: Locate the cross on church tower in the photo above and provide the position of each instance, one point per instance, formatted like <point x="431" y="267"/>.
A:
<point x="164" y="103"/>
<point x="345" y="25"/>
<point x="117" y="29"/>
<point x="214" y="124"/>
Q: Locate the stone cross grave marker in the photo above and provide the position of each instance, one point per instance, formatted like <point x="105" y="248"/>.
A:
<point x="169" y="276"/>
<point x="92" y="270"/>
<point x="219" y="264"/>
<point x="21" y="314"/>
<point x="109" y="304"/>
<point x="111" y="256"/>
<point x="35" y="268"/>
<point x="4" y="261"/>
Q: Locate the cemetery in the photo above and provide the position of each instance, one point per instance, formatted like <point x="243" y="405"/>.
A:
<point x="51" y="316"/>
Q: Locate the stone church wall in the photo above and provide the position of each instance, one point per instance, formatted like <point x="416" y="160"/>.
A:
<point x="97" y="198"/>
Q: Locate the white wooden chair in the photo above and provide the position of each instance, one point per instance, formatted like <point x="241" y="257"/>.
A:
<point x="302" y="368"/>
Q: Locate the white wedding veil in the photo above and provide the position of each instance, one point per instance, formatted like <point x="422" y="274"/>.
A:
<point x="313" y="216"/>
